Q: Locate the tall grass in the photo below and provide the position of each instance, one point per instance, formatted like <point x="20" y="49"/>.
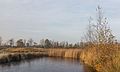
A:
<point x="104" y="58"/>
<point x="66" y="53"/>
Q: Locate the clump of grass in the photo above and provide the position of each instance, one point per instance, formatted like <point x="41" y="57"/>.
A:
<point x="112" y="65"/>
<point x="104" y="58"/>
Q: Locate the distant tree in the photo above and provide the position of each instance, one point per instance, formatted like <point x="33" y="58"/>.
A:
<point x="25" y="42"/>
<point x="53" y="44"/>
<point x="75" y="46"/>
<point x="66" y="44"/>
<point x="48" y="43"/>
<point x="56" y="44"/>
<point x="20" y="43"/>
<point x="11" y="42"/>
<point x="42" y="43"/>
<point x="30" y="41"/>
<point x="35" y="44"/>
<point x="62" y="44"/>
<point x="70" y="45"/>
<point x="0" y="41"/>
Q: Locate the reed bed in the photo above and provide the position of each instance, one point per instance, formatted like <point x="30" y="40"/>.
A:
<point x="16" y="54"/>
<point x="65" y="53"/>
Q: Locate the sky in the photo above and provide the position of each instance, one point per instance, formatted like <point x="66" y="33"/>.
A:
<point x="59" y="20"/>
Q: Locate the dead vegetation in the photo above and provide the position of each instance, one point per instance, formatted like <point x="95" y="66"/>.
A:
<point x="102" y="60"/>
<point x="18" y="54"/>
<point x="15" y="54"/>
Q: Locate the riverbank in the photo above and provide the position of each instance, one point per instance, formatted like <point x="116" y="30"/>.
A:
<point x="91" y="56"/>
<point x="17" y="54"/>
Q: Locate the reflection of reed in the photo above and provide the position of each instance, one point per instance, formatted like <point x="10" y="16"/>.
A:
<point x="17" y="63"/>
<point x="65" y="60"/>
<point x="11" y="57"/>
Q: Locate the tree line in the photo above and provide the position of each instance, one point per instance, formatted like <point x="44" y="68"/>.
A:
<point x="43" y="43"/>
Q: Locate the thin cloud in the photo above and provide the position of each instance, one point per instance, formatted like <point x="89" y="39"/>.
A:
<point x="53" y="18"/>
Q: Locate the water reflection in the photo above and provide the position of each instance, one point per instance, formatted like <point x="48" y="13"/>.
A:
<point x="44" y="65"/>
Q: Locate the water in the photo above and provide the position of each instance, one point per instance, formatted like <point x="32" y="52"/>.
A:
<point x="44" y="65"/>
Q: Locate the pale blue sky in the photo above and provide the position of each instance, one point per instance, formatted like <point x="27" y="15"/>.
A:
<point x="54" y="19"/>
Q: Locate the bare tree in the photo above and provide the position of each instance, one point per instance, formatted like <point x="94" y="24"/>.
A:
<point x="30" y="41"/>
<point x="0" y="41"/>
<point x="48" y="43"/>
<point x="20" y="43"/>
<point x="99" y="35"/>
<point x="11" y="42"/>
<point x="99" y="32"/>
<point x="42" y="43"/>
<point x="25" y="42"/>
<point x="35" y="44"/>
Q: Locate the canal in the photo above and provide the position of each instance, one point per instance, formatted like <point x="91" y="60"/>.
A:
<point x="44" y="64"/>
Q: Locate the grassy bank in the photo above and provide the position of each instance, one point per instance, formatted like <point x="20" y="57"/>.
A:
<point x="17" y="54"/>
<point x="103" y="60"/>
<point x="11" y="57"/>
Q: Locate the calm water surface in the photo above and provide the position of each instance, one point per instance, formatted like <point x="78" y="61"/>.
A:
<point x="44" y="65"/>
